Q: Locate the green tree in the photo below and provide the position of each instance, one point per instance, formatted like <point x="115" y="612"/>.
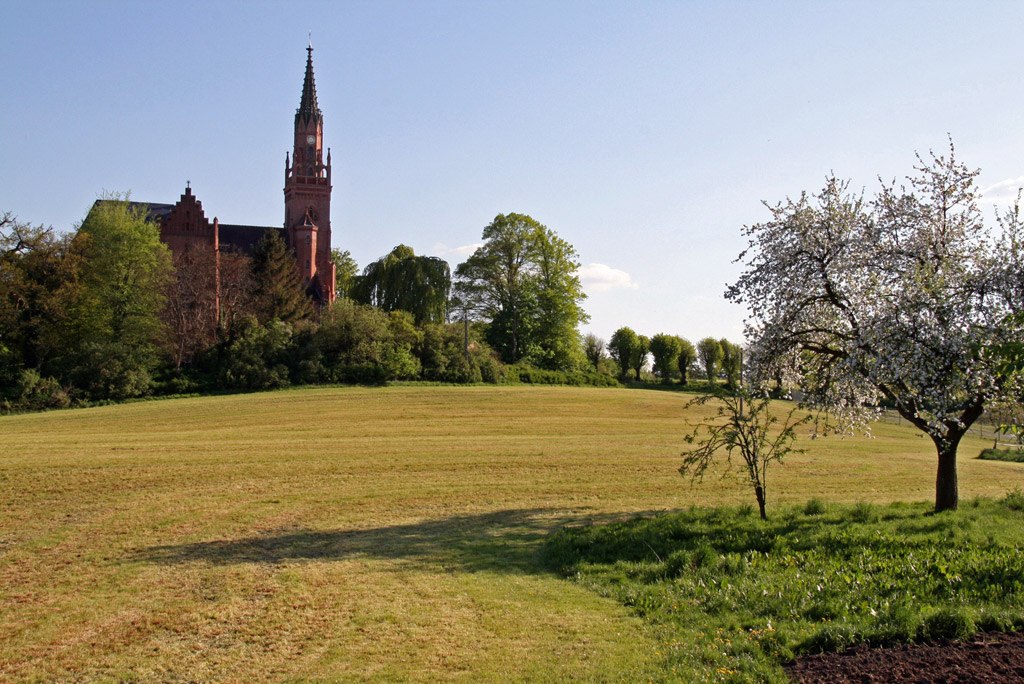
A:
<point x="710" y="352"/>
<point x="639" y="359"/>
<point x="257" y="358"/>
<point x="623" y="347"/>
<point x="402" y="281"/>
<point x="732" y="363"/>
<point x="445" y="357"/>
<point x="361" y="343"/>
<point x="744" y="425"/>
<point x="593" y="349"/>
<point x="277" y="284"/>
<point x="559" y="313"/>
<point x="112" y="308"/>
<point x="665" y="349"/>
<point x="687" y="357"/>
<point x="345" y="272"/>
<point x="523" y="282"/>
<point x="34" y="266"/>
<point x="498" y="281"/>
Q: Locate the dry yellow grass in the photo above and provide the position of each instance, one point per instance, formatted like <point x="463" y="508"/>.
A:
<point x="362" y="534"/>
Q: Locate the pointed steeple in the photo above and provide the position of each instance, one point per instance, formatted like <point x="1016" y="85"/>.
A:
<point x="308" y="108"/>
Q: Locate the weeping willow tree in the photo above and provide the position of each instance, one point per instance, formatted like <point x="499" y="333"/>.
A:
<point x="402" y="281"/>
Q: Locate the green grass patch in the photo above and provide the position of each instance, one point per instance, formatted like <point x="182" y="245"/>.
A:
<point x="374" y="534"/>
<point x="734" y="598"/>
<point x="1008" y="455"/>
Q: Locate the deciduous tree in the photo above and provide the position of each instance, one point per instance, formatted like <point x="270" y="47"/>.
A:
<point x="345" y="272"/>
<point x="639" y="359"/>
<point x="744" y="426"/>
<point x="402" y="281"/>
<point x="112" y="322"/>
<point x="732" y="363"/>
<point x="593" y="349"/>
<point x="34" y="266"/>
<point x="523" y="283"/>
<point x="237" y="292"/>
<point x="559" y="313"/>
<point x="710" y="352"/>
<point x="665" y="350"/>
<point x="897" y="300"/>
<point x="31" y="270"/>
<point x="624" y="347"/>
<point x="687" y="357"/>
<point x="190" y="313"/>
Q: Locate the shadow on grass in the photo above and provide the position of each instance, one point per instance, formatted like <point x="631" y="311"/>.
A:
<point x="501" y="541"/>
<point x="696" y="387"/>
<point x="738" y="531"/>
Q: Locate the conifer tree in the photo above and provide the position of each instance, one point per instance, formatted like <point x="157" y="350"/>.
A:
<point x="278" y="292"/>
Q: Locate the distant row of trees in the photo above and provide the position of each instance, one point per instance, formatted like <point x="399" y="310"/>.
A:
<point x="674" y="357"/>
<point x="108" y="313"/>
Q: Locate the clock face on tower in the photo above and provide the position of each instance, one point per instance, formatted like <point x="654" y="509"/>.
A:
<point x="310" y="139"/>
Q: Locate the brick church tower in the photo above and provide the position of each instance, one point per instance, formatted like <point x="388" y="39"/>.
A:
<point x="307" y="193"/>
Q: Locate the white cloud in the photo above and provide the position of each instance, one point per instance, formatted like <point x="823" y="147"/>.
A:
<point x="1003" y="193"/>
<point x="463" y="251"/>
<point x="601" y="278"/>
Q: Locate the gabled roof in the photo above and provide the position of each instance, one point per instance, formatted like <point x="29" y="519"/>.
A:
<point x="154" y="212"/>
<point x="240" y="238"/>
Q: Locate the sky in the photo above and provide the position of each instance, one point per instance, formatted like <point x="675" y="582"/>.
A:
<point x="647" y="134"/>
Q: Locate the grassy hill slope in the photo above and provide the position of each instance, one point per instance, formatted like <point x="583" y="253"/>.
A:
<point x="357" y="533"/>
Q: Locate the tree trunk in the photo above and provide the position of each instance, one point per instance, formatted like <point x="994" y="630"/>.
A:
<point x="947" y="494"/>
<point x="759" y="493"/>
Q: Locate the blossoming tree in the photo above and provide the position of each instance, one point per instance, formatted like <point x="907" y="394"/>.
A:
<point x="896" y="301"/>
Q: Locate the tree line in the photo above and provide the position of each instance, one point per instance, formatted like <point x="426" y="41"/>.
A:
<point x="107" y="312"/>
<point x="673" y="359"/>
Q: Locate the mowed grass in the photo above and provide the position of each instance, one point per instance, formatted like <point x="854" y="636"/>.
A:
<point x="388" y="534"/>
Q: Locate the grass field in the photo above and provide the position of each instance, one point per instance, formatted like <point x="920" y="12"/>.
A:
<point x="350" y="534"/>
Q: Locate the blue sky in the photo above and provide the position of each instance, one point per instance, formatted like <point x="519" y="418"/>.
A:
<point x="645" y="133"/>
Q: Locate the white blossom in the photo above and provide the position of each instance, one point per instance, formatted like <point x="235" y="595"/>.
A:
<point x="896" y="301"/>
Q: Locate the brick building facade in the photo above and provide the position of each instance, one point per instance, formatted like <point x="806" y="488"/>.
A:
<point x="184" y="226"/>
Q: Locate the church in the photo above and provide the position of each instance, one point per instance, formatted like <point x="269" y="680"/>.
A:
<point x="307" y="207"/>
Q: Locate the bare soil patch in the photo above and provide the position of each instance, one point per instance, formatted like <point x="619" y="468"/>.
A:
<point x="987" y="659"/>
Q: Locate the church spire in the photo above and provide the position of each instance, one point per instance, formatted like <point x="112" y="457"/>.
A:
<point x="308" y="108"/>
<point x="307" y="193"/>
